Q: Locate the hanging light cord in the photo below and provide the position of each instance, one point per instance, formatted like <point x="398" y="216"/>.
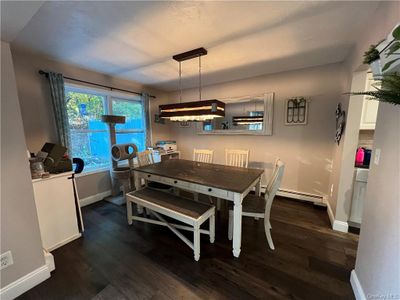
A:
<point x="180" y="82"/>
<point x="200" y="77"/>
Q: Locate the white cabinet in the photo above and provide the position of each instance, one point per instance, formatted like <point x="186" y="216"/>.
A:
<point x="359" y="192"/>
<point x="57" y="211"/>
<point x="369" y="114"/>
<point x="370" y="108"/>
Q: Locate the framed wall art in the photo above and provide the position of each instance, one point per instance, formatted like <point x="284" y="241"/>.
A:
<point x="296" y="111"/>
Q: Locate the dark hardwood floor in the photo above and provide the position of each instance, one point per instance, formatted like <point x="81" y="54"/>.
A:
<point x="144" y="261"/>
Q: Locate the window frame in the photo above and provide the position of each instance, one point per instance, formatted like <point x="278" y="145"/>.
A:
<point x="108" y="96"/>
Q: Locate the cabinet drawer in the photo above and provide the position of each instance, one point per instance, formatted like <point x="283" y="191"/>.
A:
<point x="208" y="190"/>
<point x="169" y="181"/>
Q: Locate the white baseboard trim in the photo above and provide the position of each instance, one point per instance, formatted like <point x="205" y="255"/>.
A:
<point x="49" y="259"/>
<point x="336" y="224"/>
<point x="330" y="212"/>
<point x="25" y="283"/>
<point x="64" y="242"/>
<point x="356" y="285"/>
<point x="340" y="226"/>
<point x="94" y="198"/>
<point x="316" y="199"/>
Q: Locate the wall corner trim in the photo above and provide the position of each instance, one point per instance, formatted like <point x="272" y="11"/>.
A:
<point x="329" y="210"/>
<point x="340" y="226"/>
<point x="356" y="286"/>
<point x="94" y="198"/>
<point x="336" y="224"/>
<point x="25" y="283"/>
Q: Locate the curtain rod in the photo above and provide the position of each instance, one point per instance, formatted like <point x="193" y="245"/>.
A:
<point x="41" y="72"/>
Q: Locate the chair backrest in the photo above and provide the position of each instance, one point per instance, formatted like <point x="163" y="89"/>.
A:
<point x="237" y="158"/>
<point x="145" y="158"/>
<point x="273" y="186"/>
<point x="203" y="155"/>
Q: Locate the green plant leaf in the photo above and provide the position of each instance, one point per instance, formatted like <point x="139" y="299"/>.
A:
<point x="389" y="92"/>
<point x="389" y="63"/>
<point x="393" y="48"/>
<point x="396" y="33"/>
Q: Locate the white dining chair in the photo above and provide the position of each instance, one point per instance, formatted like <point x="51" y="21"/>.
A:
<point x="260" y="207"/>
<point x="237" y="158"/>
<point x="203" y="155"/>
<point x="146" y="158"/>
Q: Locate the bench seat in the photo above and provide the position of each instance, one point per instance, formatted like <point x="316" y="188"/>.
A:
<point x="184" y="210"/>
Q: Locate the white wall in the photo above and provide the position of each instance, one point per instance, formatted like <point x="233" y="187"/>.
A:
<point x="37" y="113"/>
<point x="385" y="18"/>
<point x="306" y="150"/>
<point x="378" y="254"/>
<point x="19" y="223"/>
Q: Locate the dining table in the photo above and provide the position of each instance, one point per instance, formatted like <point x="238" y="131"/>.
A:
<point x="220" y="181"/>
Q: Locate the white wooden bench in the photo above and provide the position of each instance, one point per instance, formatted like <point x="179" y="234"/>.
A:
<point x="184" y="210"/>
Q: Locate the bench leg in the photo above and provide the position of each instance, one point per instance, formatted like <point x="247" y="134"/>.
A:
<point x="196" y="242"/>
<point x="129" y="212"/>
<point x="212" y="229"/>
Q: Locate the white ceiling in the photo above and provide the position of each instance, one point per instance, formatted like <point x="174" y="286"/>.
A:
<point x="15" y="15"/>
<point x="135" y="40"/>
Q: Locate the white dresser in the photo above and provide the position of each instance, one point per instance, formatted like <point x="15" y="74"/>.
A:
<point x="60" y="218"/>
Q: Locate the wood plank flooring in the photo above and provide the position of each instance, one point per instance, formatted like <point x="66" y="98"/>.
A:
<point x="145" y="261"/>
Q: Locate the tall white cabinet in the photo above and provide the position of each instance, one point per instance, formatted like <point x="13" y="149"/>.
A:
<point x="59" y="214"/>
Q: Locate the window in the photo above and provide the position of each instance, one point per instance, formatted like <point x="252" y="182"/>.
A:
<point x="89" y="135"/>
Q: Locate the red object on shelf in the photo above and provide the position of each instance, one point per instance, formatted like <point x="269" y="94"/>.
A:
<point x="360" y="156"/>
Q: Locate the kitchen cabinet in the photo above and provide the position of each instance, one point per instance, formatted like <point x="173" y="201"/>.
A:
<point x="359" y="192"/>
<point x="370" y="107"/>
<point x="59" y="214"/>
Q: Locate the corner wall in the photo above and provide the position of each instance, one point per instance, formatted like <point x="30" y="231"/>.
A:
<point x="20" y="232"/>
<point x="306" y="150"/>
<point x="378" y="255"/>
<point x="385" y="18"/>
<point x="37" y="113"/>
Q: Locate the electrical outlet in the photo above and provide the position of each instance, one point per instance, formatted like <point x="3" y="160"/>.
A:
<point x="6" y="260"/>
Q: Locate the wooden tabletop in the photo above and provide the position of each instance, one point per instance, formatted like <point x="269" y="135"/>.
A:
<point x="219" y="176"/>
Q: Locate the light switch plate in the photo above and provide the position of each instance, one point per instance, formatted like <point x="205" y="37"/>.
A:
<point x="377" y="156"/>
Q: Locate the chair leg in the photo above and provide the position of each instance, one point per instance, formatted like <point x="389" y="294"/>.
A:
<point x="212" y="229"/>
<point x="196" y="242"/>
<point x="268" y="234"/>
<point x="230" y="225"/>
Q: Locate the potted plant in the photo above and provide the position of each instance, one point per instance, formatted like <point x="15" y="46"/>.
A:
<point x="372" y="58"/>
<point x="388" y="92"/>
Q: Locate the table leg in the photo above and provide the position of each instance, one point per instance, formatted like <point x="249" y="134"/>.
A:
<point x="138" y="186"/>
<point x="129" y="211"/>
<point x="258" y="188"/>
<point x="237" y="225"/>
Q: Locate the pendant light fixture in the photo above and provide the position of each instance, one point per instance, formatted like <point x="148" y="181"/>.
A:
<point x="194" y="110"/>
